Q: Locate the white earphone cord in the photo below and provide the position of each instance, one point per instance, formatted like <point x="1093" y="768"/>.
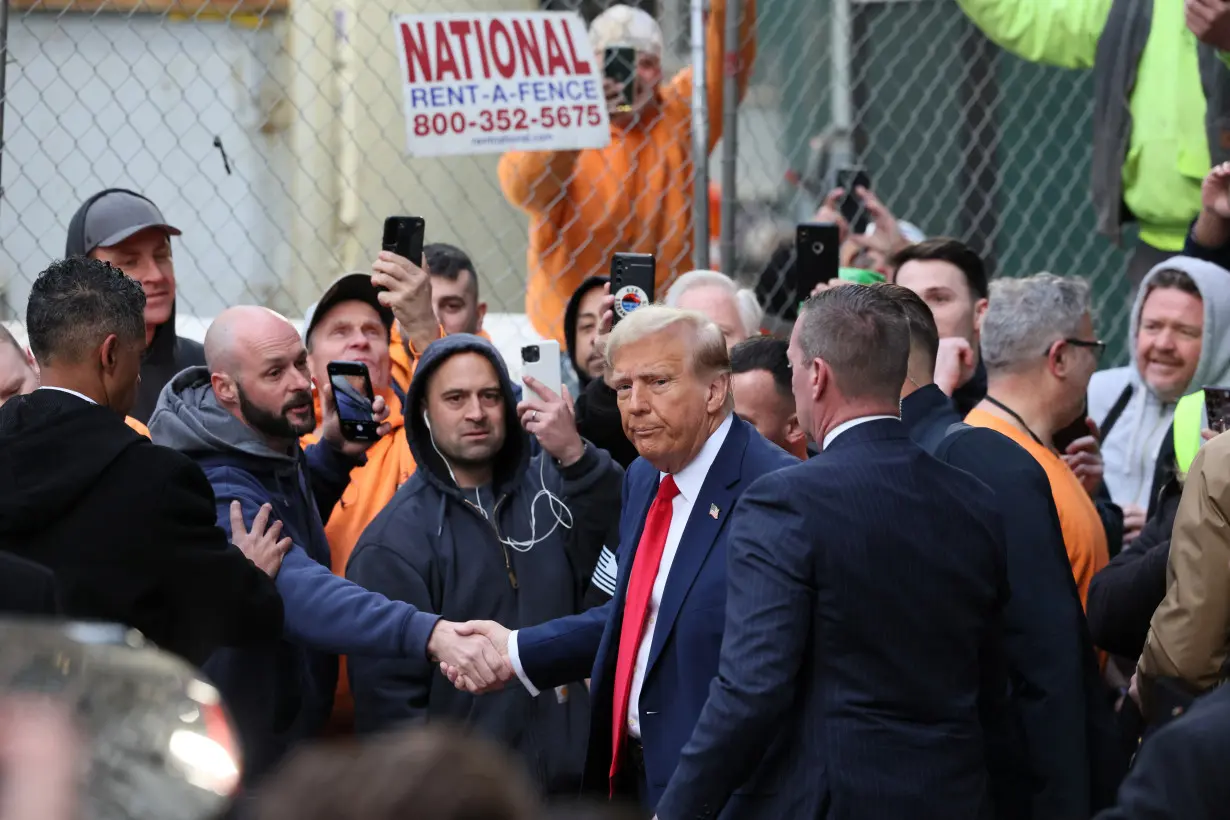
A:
<point x="556" y="504"/>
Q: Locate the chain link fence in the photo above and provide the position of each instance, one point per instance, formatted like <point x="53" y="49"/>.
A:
<point x="272" y="133"/>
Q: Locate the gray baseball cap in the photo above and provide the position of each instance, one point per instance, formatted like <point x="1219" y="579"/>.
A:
<point x="110" y="217"/>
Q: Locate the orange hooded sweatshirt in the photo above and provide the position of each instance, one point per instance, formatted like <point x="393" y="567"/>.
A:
<point x="402" y="369"/>
<point x="634" y="195"/>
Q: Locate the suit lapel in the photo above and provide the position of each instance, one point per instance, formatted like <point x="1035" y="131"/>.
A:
<point x="709" y="513"/>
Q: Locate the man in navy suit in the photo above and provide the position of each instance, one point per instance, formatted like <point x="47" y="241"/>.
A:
<point x="652" y="650"/>
<point x="862" y="661"/>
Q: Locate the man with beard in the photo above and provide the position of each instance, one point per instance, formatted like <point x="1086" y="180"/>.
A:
<point x="240" y="418"/>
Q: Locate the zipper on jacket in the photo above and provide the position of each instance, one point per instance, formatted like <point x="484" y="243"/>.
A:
<point x="512" y="575"/>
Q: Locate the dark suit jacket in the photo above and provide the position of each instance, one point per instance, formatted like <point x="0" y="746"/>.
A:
<point x="1056" y="686"/>
<point x="684" y="655"/>
<point x="127" y="527"/>
<point x="27" y="588"/>
<point x="863" y="645"/>
<point x="1180" y="772"/>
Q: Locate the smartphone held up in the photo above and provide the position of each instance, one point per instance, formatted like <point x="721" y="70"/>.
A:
<point x="852" y="208"/>
<point x="817" y="255"/>
<point x="619" y="66"/>
<point x="633" y="278"/>
<point x="1217" y="408"/>
<point x="541" y="362"/>
<point x="351" y="385"/>
<point x="403" y="235"/>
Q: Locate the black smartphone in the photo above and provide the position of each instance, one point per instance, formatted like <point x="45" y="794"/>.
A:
<point x="619" y="64"/>
<point x="1217" y="407"/>
<point x="353" y="397"/>
<point x="403" y="235"/>
<point x="633" y="276"/>
<point x="851" y="205"/>
<point x="816" y="256"/>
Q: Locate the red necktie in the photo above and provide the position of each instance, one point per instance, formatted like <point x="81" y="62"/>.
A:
<point x="636" y="608"/>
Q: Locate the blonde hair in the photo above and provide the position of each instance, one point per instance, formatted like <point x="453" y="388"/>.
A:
<point x="709" y="354"/>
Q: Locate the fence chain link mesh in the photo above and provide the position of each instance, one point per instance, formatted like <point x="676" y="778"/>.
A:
<point x="272" y="133"/>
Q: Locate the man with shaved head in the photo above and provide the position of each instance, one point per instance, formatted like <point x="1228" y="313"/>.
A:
<point x="240" y="417"/>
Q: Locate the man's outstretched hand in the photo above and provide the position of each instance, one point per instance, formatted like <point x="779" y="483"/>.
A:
<point x="492" y="634"/>
<point x="476" y="659"/>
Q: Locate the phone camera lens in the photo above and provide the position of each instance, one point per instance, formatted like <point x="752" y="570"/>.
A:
<point x="529" y="354"/>
<point x="817" y="248"/>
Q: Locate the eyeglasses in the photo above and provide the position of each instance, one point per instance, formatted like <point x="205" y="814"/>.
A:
<point x="1097" y="345"/>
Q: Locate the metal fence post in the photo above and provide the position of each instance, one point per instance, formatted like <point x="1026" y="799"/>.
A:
<point x="730" y="135"/>
<point x="700" y="140"/>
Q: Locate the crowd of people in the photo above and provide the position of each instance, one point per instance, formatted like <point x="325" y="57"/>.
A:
<point x="898" y="549"/>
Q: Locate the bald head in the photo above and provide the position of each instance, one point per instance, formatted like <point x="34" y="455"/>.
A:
<point x="258" y="370"/>
<point x="243" y="330"/>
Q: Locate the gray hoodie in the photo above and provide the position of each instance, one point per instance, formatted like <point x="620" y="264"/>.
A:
<point x="1131" y="449"/>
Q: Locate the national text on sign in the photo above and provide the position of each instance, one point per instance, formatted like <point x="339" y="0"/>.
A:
<point x="504" y="50"/>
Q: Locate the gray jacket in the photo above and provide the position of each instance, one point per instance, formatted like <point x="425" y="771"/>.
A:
<point x="1130" y="450"/>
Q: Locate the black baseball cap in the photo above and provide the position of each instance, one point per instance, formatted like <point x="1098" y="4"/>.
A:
<point x="347" y="287"/>
<point x="111" y="216"/>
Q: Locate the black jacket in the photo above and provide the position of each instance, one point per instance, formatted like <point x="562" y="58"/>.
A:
<point x="434" y="548"/>
<point x="128" y="528"/>
<point x="27" y="588"/>
<point x="1180" y="772"/>
<point x="165" y="357"/>
<point x="1124" y="594"/>
<point x="1053" y="670"/>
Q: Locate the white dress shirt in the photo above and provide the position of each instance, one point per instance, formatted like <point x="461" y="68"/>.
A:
<point x="81" y="396"/>
<point x="846" y="425"/>
<point x="689" y="480"/>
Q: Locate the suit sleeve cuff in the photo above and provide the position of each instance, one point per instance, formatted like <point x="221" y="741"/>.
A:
<point x="514" y="658"/>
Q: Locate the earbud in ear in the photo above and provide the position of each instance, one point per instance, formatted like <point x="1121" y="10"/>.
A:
<point x="426" y="420"/>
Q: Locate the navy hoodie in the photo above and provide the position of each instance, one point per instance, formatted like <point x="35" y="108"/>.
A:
<point x="432" y="548"/>
<point x="283" y="694"/>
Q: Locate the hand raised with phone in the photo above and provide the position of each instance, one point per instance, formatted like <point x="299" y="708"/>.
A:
<point x="331" y="422"/>
<point x="551" y="418"/>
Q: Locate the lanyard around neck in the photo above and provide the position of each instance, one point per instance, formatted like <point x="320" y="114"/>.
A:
<point x="1018" y="418"/>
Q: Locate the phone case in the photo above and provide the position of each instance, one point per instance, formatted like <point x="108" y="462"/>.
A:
<point x="403" y="235"/>
<point x="353" y="401"/>
<point x="818" y="257"/>
<point x="633" y="278"/>
<point x="546" y="369"/>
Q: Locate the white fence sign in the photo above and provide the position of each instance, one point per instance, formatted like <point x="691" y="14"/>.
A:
<point x="483" y="83"/>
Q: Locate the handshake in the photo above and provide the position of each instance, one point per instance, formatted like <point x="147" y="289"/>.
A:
<point x="472" y="655"/>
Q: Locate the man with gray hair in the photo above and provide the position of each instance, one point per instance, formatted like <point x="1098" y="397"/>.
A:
<point x="733" y="309"/>
<point x="1040" y="352"/>
<point x="651" y="651"/>
<point x="636" y="193"/>
<point x="861" y="673"/>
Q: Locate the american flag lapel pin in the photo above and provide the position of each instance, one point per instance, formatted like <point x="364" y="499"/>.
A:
<point x="714" y="512"/>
